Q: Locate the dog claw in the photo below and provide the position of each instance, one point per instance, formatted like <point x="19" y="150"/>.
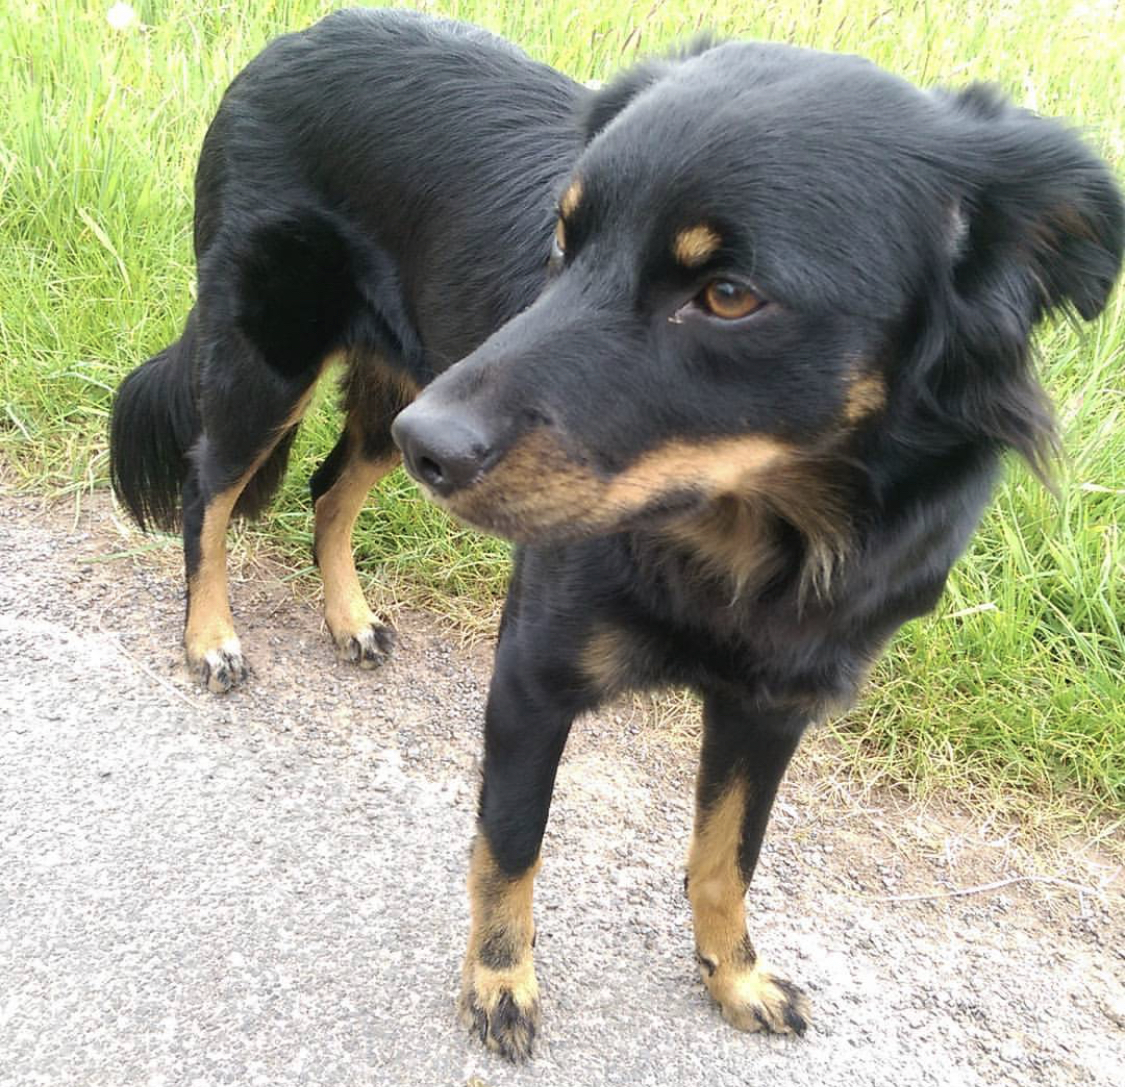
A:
<point x="369" y="647"/>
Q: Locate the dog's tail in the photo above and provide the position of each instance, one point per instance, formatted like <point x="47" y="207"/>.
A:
<point x="155" y="423"/>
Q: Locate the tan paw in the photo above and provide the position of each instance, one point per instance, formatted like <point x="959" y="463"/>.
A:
<point x="501" y="1008"/>
<point x="756" y="1000"/>
<point x="220" y="668"/>
<point x="369" y="646"/>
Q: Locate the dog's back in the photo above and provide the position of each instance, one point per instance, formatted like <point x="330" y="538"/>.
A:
<point x="439" y="146"/>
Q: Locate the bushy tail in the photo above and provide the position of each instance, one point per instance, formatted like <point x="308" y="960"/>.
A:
<point x="154" y="424"/>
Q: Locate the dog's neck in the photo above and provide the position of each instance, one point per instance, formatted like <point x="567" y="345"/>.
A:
<point x="798" y="526"/>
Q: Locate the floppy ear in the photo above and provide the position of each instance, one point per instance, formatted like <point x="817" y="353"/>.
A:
<point x="1044" y="214"/>
<point x="608" y="102"/>
<point x="1037" y="225"/>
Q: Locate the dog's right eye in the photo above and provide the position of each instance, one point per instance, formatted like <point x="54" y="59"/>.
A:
<point x="558" y="247"/>
<point x="729" y="301"/>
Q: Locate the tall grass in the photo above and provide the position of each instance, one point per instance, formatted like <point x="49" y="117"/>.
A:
<point x="1016" y="682"/>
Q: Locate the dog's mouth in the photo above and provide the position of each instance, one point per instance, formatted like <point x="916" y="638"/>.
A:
<point x="540" y="492"/>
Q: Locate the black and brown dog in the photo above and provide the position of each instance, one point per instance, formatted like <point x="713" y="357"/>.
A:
<point x="744" y="337"/>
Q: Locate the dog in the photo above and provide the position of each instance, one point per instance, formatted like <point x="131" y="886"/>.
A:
<point x="742" y="338"/>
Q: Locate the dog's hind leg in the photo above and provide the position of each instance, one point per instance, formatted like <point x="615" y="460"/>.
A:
<point x="361" y="457"/>
<point x="745" y="753"/>
<point x="236" y="462"/>
<point x="277" y="300"/>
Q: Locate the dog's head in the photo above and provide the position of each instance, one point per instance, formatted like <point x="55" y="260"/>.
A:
<point x="769" y="261"/>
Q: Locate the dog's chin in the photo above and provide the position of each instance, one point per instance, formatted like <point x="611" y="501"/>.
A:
<point x="544" y="527"/>
<point x="550" y="525"/>
<point x="530" y="534"/>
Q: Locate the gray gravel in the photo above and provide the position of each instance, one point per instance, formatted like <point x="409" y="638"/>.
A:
<point x="268" y="888"/>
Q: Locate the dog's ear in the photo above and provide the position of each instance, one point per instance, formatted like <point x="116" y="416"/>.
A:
<point x="607" y="102"/>
<point x="1043" y="216"/>
<point x="610" y="100"/>
<point x="1036" y="225"/>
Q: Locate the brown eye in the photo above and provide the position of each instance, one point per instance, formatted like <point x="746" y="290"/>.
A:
<point x="729" y="301"/>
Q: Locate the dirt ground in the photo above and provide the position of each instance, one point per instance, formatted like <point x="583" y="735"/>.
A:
<point x="360" y="787"/>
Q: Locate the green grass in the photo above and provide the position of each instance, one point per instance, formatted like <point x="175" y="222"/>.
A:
<point x="1016" y="684"/>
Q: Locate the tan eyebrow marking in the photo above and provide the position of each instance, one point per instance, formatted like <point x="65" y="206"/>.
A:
<point x="695" y="245"/>
<point x="867" y="394"/>
<point x="570" y="200"/>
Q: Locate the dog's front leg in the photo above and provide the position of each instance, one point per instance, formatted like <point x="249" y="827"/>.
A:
<point x="499" y="991"/>
<point x="526" y="728"/>
<point x="745" y="753"/>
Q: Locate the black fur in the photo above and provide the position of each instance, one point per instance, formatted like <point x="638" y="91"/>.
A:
<point x="386" y="185"/>
<point x="155" y="423"/>
<point x="340" y="163"/>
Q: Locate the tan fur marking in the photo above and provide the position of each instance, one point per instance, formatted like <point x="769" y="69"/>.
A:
<point x="751" y="998"/>
<point x="499" y="904"/>
<point x="209" y="622"/>
<point x="743" y="484"/>
<point x="539" y="486"/>
<point x="606" y="659"/>
<point x="568" y="203"/>
<point x="345" y="607"/>
<point x="696" y="245"/>
<point x="298" y="412"/>
<point x="715" y="885"/>
<point x="720" y="466"/>
<point x="731" y="539"/>
<point x="867" y="394"/>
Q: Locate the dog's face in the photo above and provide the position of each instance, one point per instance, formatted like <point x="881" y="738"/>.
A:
<point x="763" y="254"/>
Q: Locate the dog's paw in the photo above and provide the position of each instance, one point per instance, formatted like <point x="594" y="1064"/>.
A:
<point x="221" y="668"/>
<point x="502" y="1010"/>
<point x="755" y="1000"/>
<point x="369" y="647"/>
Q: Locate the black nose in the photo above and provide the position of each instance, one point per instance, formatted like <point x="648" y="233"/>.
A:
<point x="445" y="452"/>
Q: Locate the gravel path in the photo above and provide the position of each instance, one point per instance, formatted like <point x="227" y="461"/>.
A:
<point x="268" y="888"/>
